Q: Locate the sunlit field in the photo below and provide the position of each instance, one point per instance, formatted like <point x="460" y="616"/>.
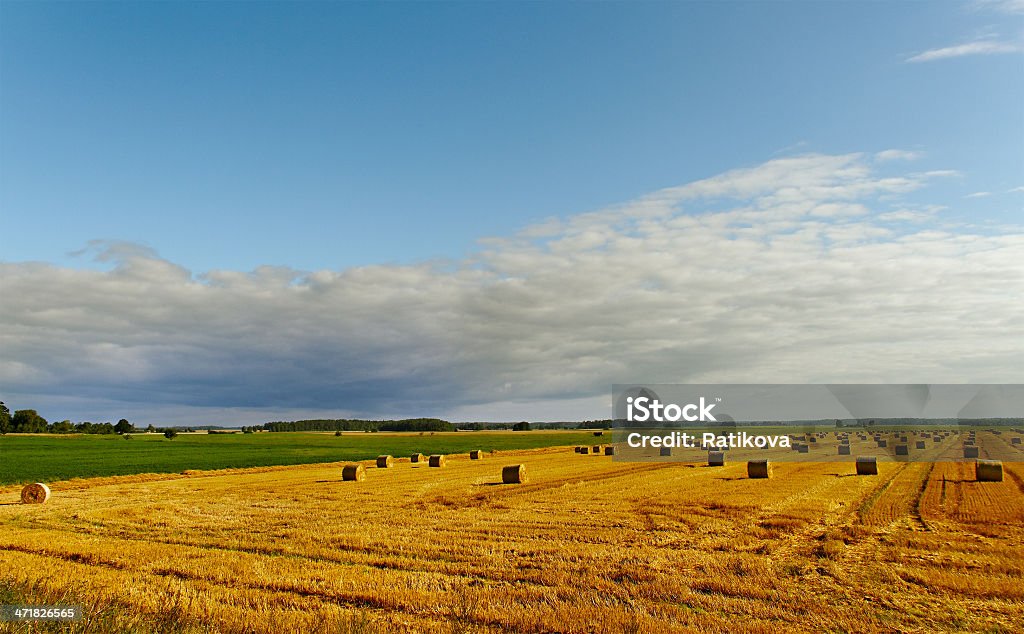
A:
<point x="588" y="544"/>
<point x="40" y="457"/>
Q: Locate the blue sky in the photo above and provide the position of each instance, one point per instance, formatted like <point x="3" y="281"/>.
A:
<point x="231" y="212"/>
<point x="330" y="135"/>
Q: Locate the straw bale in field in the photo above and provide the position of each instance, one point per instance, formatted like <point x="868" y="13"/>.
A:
<point x="988" y="471"/>
<point x="353" y="473"/>
<point x="35" y="493"/>
<point x="513" y="474"/>
<point x="867" y="465"/>
<point x="759" y="469"/>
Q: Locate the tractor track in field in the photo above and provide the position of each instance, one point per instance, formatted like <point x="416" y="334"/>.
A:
<point x="112" y="564"/>
<point x="1017" y="480"/>
<point x="900" y="497"/>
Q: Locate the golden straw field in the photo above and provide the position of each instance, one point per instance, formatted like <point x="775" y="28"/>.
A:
<point x="588" y="544"/>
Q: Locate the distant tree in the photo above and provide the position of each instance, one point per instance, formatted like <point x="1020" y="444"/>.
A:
<point x="170" y="434"/>
<point x="523" y="426"/>
<point x="150" y="429"/>
<point x="5" y="419"/>
<point x="338" y="433"/>
<point x="28" y="421"/>
<point x="123" y="426"/>
<point x="63" y="427"/>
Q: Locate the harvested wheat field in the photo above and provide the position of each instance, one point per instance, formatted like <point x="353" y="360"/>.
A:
<point x="587" y="544"/>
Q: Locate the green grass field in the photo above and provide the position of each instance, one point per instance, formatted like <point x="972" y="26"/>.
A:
<point x="44" y="458"/>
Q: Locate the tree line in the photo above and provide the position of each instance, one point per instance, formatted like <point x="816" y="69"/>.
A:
<point x="345" y="424"/>
<point x="28" y="421"/>
<point x="416" y="424"/>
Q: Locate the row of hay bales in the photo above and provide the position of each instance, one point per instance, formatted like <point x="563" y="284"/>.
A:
<point x="436" y="460"/>
<point x="356" y="472"/>
<point x="984" y="471"/>
<point x="904" y="442"/>
<point x="596" y="450"/>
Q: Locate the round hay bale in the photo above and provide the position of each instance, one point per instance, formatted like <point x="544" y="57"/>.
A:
<point x="759" y="469"/>
<point x="970" y="451"/>
<point x="666" y="451"/>
<point x="803" y="448"/>
<point x="867" y="465"/>
<point x="385" y="462"/>
<point x="988" y="471"/>
<point x="416" y="457"/>
<point x="35" y="493"/>
<point x="883" y="443"/>
<point x="1015" y="441"/>
<point x="902" y="450"/>
<point x="844" y="450"/>
<point x="716" y="458"/>
<point x="476" y="454"/>
<point x="438" y="460"/>
<point x="919" y="444"/>
<point x="353" y="473"/>
<point x="513" y="474"/>
<point x="609" y="450"/>
<point x="596" y="449"/>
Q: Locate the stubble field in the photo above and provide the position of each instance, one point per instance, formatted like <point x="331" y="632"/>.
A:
<point x="587" y="545"/>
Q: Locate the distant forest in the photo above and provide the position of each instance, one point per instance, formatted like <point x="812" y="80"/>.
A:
<point x="343" y="424"/>
<point x="420" y="424"/>
<point x="28" y="421"/>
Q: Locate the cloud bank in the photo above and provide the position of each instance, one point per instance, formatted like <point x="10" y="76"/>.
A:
<point x="983" y="47"/>
<point x="802" y="269"/>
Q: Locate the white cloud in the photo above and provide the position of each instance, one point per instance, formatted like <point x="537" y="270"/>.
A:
<point x="1015" y="190"/>
<point x="788" y="271"/>
<point x="1002" y="6"/>
<point x="978" y="195"/>
<point x="898" y="155"/>
<point x="982" y="47"/>
<point x="909" y="215"/>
